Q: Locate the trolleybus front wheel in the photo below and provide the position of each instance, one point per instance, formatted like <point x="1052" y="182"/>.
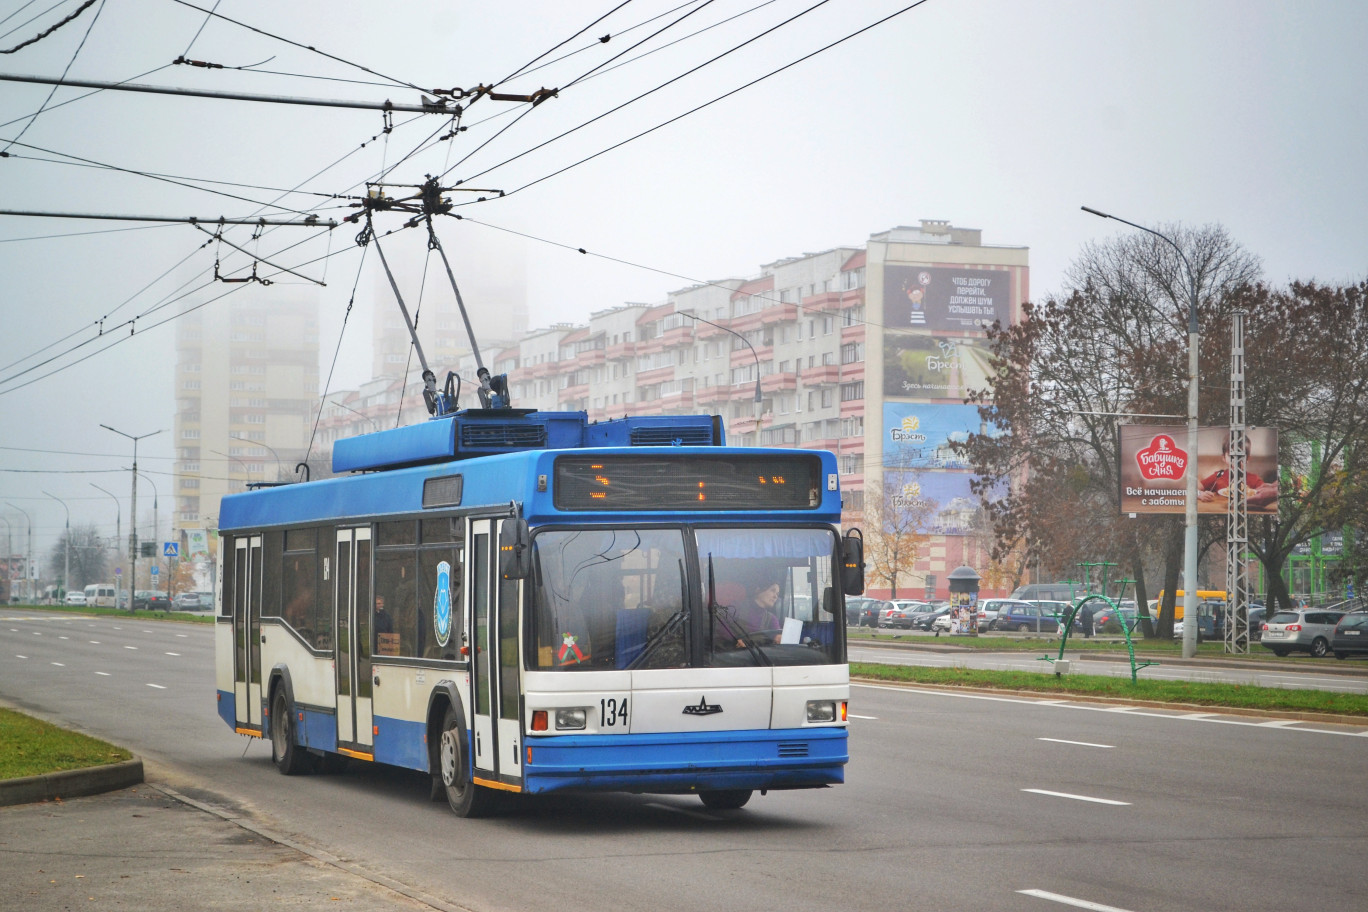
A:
<point x="725" y="799"/>
<point x="465" y="797"/>
<point x="288" y="757"/>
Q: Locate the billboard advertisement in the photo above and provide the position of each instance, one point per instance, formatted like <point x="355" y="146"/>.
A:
<point x="1154" y="463"/>
<point x="946" y="298"/>
<point x="919" y="366"/>
<point x="954" y="508"/>
<point x="918" y="435"/>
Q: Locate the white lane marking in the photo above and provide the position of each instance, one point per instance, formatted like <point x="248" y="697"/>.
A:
<point x="95" y="642"/>
<point x="873" y="718"/>
<point x="176" y="654"/>
<point x="158" y="686"/>
<point x="130" y="647"/>
<point x="103" y="674"/>
<point x="118" y="628"/>
<point x="1197" y="716"/>
<point x="14" y="630"/>
<point x="1134" y="711"/>
<point x="21" y="657"/>
<point x="1279" y="723"/>
<point x="59" y="664"/>
<point x="182" y="635"/>
<point x="1071" y="901"/>
<point x="64" y="638"/>
<point x="37" y="633"/>
<point x="1077" y="797"/>
<point x="1079" y="743"/>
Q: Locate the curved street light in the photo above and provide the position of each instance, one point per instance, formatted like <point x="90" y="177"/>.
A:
<point x="279" y="468"/>
<point x="66" y="568"/>
<point x="1190" y="498"/>
<point x="373" y="425"/>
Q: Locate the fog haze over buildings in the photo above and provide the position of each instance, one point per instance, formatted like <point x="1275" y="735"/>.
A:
<point x="992" y="115"/>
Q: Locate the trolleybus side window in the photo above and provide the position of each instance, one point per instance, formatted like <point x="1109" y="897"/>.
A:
<point x="299" y="583"/>
<point x="272" y="544"/>
<point x="396" y="590"/>
<point x="441" y="584"/>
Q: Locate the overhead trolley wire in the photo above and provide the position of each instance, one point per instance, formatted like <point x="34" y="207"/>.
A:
<point x="41" y="35"/>
<point x="627" y="50"/>
<point x="650" y="92"/>
<point x="305" y="47"/>
<point x="693" y="110"/>
<point x="76" y="53"/>
<point x="520" y="70"/>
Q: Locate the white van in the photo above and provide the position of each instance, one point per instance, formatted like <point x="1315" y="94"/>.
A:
<point x="100" y="595"/>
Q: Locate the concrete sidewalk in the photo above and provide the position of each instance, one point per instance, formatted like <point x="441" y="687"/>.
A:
<point x="148" y="849"/>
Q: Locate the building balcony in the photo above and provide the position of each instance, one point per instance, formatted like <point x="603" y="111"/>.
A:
<point x="708" y="330"/>
<point x="852" y="408"/>
<point x="747" y="322"/>
<point x="620" y="351"/>
<point x="774" y="383"/>
<point x="572" y="393"/>
<point x="824" y="443"/>
<point x="655" y="375"/>
<point x="739" y="426"/>
<point x="590" y="358"/>
<point x="674" y="338"/>
<point x="853" y="333"/>
<point x="781" y="313"/>
<point x="650" y="346"/>
<point x="742" y="356"/>
<point x="712" y="395"/>
<point x="820" y="375"/>
<point x="684" y="399"/>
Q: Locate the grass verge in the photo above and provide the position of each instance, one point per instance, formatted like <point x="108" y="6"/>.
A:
<point x="1047" y="643"/>
<point x="1242" y="696"/>
<point x="30" y="747"/>
<point x="198" y="618"/>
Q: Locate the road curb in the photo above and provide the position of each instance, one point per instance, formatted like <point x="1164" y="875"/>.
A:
<point x="71" y="783"/>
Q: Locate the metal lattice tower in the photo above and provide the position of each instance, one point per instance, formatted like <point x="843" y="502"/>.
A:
<point x="1237" y="503"/>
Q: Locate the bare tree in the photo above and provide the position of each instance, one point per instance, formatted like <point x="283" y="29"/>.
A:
<point x="89" y="560"/>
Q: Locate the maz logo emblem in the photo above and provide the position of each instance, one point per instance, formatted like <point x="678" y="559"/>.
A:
<point x="702" y="708"/>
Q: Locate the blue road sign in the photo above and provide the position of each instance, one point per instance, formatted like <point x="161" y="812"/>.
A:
<point x="170" y="549"/>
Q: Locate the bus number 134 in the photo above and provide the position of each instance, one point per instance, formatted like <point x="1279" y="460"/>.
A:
<point x="612" y="712"/>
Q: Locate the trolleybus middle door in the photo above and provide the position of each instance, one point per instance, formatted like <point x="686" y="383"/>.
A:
<point x="494" y="661"/>
<point x="353" y="625"/>
<point x="246" y="594"/>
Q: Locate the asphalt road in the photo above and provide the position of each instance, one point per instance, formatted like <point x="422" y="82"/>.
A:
<point x="952" y="801"/>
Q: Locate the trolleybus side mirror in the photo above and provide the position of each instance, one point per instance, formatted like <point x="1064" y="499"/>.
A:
<point x="515" y="549"/>
<point x="852" y="563"/>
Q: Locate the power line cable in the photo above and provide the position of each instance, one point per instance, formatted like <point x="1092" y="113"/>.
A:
<point x="601" y="41"/>
<point x="305" y="47"/>
<point x="199" y="30"/>
<point x="648" y="93"/>
<point x="627" y="50"/>
<point x="94" y="19"/>
<point x="694" y="110"/>
<point x="21" y="9"/>
<point x="76" y="98"/>
<point x="41" y="35"/>
<point x="327" y="384"/>
<point x="524" y="67"/>
<point x="72" y="234"/>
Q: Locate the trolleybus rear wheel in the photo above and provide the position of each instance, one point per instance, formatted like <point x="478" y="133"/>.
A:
<point x="288" y="757"/>
<point x="465" y="797"/>
<point x="725" y="799"/>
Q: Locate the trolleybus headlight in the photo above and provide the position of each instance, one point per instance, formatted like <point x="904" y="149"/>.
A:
<point x="821" y="710"/>
<point x="570" y="718"/>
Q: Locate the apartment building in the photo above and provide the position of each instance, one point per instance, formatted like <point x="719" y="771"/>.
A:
<point x="867" y="351"/>
<point x="246" y="393"/>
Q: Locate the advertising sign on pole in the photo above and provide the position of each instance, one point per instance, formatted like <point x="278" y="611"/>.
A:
<point x="1154" y="463"/>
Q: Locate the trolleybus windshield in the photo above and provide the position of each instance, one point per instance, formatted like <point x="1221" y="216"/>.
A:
<point x="683" y="597"/>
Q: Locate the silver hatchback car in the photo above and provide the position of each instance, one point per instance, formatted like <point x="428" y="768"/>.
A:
<point x="1304" y="630"/>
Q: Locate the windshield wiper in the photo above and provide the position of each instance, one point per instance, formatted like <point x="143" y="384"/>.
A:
<point x="659" y="636"/>
<point x="743" y="636"/>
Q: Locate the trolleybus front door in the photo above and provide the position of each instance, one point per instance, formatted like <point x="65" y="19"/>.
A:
<point x="494" y="674"/>
<point x="246" y="587"/>
<point x="353" y="635"/>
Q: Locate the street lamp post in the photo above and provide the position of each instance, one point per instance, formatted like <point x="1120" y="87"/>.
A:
<point x="355" y="412"/>
<point x="133" y="515"/>
<point x="156" y="521"/>
<point x="66" y="567"/>
<point x="9" y="544"/>
<point x="758" y="397"/>
<point x="1190" y="623"/>
<point x="28" y="564"/>
<point x="280" y="470"/>
<point x="246" y="471"/>
<point x="118" y="530"/>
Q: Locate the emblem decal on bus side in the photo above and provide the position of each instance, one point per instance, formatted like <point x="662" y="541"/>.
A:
<point x="703" y="708"/>
<point x="441" y="604"/>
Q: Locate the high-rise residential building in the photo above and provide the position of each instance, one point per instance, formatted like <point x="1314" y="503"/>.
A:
<point x="246" y="396"/>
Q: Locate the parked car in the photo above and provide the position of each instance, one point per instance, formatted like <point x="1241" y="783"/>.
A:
<point x="1027" y="617"/>
<point x="903" y="614"/>
<point x="1351" y="635"/>
<point x="1303" y="630"/>
<point x="988" y="612"/>
<point x="927" y="619"/>
<point x="904" y="608"/>
<point x="860" y="611"/>
<point x="188" y="601"/>
<point x="75" y="598"/>
<point x="1109" y="620"/>
<point x="151" y="600"/>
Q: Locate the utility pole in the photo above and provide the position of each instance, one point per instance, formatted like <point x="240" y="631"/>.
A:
<point x="156" y="524"/>
<point x="118" y="533"/>
<point x="133" y="518"/>
<point x="66" y="567"/>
